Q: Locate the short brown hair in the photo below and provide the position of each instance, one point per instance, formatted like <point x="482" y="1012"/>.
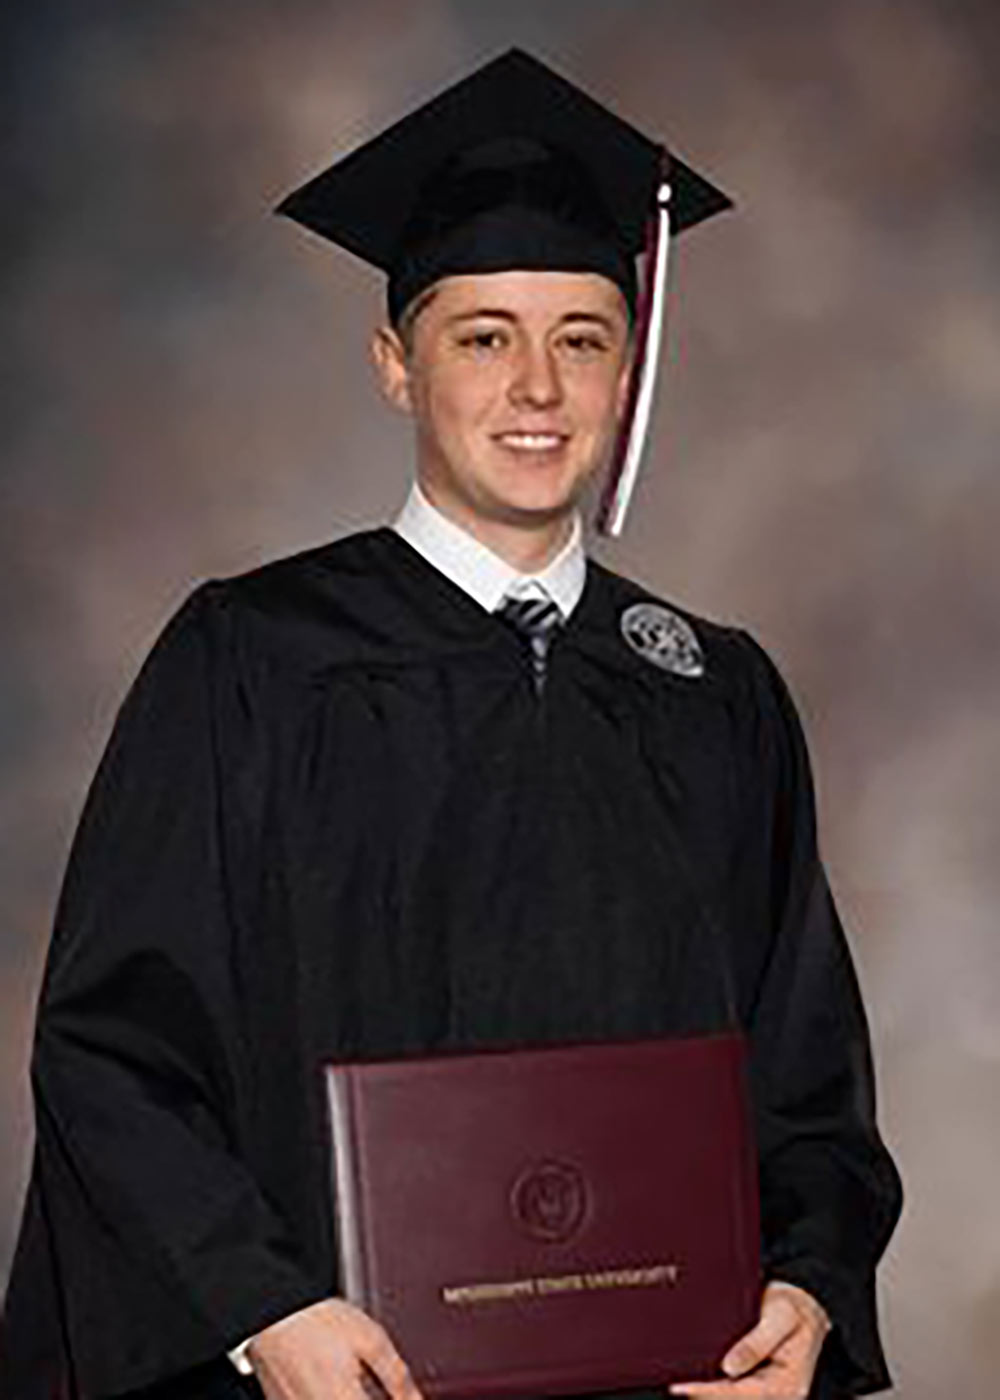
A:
<point x="409" y="314"/>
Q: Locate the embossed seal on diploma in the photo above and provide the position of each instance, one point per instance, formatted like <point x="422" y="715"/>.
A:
<point x="664" y="638"/>
<point x="549" y="1200"/>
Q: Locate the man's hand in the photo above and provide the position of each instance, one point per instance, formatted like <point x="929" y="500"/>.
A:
<point x="781" y="1351"/>
<point x="328" y="1352"/>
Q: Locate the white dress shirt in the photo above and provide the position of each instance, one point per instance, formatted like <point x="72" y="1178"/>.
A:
<point x="488" y="579"/>
<point x="484" y="575"/>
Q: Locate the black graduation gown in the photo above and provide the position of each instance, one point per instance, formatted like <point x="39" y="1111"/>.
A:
<point x="334" y="819"/>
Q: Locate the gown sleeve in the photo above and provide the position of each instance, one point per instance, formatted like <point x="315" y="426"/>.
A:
<point x="830" y="1192"/>
<point x="165" y="1249"/>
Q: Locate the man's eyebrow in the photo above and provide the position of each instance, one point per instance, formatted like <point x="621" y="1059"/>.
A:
<point x="497" y="313"/>
<point x="598" y="316"/>
<point x="502" y="314"/>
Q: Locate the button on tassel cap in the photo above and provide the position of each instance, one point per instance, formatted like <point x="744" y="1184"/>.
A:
<point x="535" y="620"/>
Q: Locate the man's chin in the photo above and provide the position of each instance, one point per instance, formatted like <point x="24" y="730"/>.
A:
<point x="529" y="514"/>
<point x="522" y="505"/>
<point x="531" y="505"/>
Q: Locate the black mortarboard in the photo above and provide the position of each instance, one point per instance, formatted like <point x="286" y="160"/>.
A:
<point x="512" y="167"/>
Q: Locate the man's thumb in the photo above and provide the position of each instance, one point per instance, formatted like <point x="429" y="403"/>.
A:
<point x="740" y="1359"/>
<point x="778" y="1320"/>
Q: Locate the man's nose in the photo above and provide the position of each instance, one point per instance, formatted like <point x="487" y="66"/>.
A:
<point x="536" y="378"/>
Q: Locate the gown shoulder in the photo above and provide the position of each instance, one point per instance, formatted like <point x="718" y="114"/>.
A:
<point x="735" y="662"/>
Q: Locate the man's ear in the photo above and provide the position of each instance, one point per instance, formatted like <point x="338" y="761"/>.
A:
<point x="624" y="379"/>
<point x="392" y="367"/>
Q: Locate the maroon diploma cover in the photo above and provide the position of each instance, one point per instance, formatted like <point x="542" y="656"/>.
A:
<point x="551" y="1220"/>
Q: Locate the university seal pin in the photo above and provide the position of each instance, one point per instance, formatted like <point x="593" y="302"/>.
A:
<point x="662" y="637"/>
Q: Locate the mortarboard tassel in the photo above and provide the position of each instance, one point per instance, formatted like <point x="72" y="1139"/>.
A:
<point x="631" y="439"/>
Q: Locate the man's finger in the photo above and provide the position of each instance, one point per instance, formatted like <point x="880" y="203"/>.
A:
<point x="765" y="1386"/>
<point x="779" y="1318"/>
<point x="370" y="1383"/>
<point x="393" y="1372"/>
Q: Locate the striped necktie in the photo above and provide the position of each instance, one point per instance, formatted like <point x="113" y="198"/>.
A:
<point x="535" y="621"/>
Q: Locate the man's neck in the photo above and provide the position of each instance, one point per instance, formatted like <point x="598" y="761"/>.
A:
<point x="528" y="550"/>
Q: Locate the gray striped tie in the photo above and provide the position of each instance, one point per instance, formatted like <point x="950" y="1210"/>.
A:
<point x="534" y="620"/>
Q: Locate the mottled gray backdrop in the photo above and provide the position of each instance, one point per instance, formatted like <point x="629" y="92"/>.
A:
<point x="185" y="393"/>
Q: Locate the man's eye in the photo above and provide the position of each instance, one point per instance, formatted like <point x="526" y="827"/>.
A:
<point x="482" y="340"/>
<point x="585" y="343"/>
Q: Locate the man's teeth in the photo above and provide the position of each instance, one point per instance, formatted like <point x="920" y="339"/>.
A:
<point x="532" y="441"/>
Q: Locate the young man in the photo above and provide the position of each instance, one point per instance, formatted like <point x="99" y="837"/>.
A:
<point x="446" y="784"/>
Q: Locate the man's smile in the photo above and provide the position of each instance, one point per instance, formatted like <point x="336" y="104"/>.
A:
<point x="532" y="442"/>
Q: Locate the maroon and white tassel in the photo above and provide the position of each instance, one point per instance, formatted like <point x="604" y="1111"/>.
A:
<point x="634" y="428"/>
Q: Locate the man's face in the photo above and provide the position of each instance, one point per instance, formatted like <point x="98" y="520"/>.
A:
<point x="515" y="381"/>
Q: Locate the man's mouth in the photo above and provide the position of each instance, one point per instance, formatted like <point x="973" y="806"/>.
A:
<point x="532" y="442"/>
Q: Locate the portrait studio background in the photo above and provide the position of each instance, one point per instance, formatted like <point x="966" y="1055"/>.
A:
<point x="186" y="393"/>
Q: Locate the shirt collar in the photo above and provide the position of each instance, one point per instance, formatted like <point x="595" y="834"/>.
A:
<point x="478" y="570"/>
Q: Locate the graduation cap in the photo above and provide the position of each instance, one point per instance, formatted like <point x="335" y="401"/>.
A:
<point x="514" y="167"/>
